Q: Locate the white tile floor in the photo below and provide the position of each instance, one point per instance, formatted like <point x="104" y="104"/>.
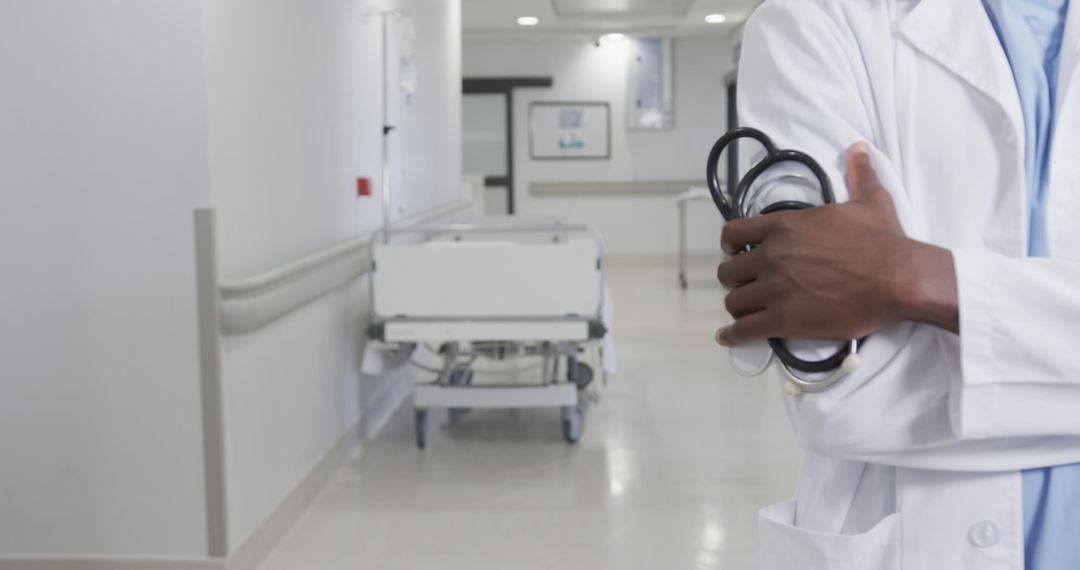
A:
<point x="675" y="461"/>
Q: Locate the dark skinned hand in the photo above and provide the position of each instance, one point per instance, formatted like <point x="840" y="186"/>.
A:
<point x="834" y="272"/>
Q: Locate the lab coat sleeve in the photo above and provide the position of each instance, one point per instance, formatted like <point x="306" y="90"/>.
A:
<point x="1019" y="352"/>
<point x="923" y="397"/>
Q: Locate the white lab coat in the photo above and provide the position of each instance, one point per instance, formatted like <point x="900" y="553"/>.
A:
<point x="912" y="462"/>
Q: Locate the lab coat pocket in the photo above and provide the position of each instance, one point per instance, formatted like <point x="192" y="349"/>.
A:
<point x="783" y="546"/>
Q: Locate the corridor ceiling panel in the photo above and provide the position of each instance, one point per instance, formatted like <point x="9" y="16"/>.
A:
<point x="671" y="8"/>
<point x="498" y="18"/>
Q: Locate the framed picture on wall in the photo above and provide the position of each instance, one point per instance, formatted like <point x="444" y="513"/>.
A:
<point x="569" y="130"/>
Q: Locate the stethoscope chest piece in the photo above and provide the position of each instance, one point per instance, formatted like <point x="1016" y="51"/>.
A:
<point x="752" y="359"/>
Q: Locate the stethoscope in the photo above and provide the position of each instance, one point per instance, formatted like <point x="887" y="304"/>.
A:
<point x="845" y="360"/>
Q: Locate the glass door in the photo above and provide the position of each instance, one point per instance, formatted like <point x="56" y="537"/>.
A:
<point x="486" y="147"/>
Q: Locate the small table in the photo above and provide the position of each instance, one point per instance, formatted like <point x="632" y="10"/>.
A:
<point x="694" y="193"/>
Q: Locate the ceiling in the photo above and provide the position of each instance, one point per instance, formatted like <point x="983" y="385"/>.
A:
<point x="498" y="18"/>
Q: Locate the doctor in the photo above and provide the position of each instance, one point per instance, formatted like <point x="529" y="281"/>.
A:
<point x="955" y="445"/>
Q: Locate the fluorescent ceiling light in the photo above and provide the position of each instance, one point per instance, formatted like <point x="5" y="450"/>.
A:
<point x="716" y="18"/>
<point x="528" y="21"/>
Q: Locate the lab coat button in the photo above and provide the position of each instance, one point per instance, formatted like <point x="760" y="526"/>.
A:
<point x="984" y="534"/>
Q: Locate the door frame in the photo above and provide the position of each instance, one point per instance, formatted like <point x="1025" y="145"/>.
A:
<point x="732" y="86"/>
<point x="504" y="86"/>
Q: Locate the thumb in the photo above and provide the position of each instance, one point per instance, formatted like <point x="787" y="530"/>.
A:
<point x="862" y="181"/>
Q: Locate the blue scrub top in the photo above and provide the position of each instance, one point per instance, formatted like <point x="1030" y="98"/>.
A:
<point x="1031" y="32"/>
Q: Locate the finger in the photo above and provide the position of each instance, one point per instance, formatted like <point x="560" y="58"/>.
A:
<point x="738" y="234"/>
<point x="740" y="268"/>
<point x="746" y="300"/>
<point x="756" y="326"/>
<point x="862" y="180"/>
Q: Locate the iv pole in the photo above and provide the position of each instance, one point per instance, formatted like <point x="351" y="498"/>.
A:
<point x="387" y="128"/>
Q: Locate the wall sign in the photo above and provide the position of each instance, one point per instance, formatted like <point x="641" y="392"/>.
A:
<point x="567" y="130"/>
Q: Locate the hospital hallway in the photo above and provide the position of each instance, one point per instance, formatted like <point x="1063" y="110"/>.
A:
<point x="245" y="241"/>
<point x="675" y="461"/>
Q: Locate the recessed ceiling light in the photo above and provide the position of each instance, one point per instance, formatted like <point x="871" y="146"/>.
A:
<point x="716" y="18"/>
<point x="612" y="38"/>
<point x="528" y="21"/>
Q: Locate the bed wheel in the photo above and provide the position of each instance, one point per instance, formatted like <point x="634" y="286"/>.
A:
<point x="573" y="423"/>
<point x="420" y="425"/>
<point x="580" y="373"/>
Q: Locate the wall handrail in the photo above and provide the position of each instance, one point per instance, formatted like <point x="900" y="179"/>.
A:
<point x="250" y="304"/>
<point x="607" y="188"/>
<point x="283" y="274"/>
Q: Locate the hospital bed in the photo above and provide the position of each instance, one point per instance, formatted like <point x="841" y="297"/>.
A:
<point x="493" y="290"/>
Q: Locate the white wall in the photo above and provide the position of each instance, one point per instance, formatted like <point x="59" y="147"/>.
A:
<point x="117" y="118"/>
<point x="102" y="157"/>
<point x="295" y="116"/>
<point x="584" y="72"/>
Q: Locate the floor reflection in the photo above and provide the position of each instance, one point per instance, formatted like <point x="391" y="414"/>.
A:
<point x="676" y="459"/>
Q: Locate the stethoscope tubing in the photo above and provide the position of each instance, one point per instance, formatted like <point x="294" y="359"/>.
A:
<point x="735" y="208"/>
<point x="712" y="177"/>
